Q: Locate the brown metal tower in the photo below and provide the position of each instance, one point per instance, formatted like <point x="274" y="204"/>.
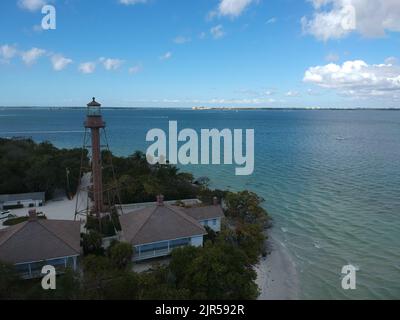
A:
<point x="93" y="197"/>
<point x="94" y="122"/>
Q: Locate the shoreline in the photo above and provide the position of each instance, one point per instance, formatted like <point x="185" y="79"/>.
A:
<point x="277" y="277"/>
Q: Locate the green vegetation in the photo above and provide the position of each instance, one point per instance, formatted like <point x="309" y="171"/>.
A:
<point x="221" y="269"/>
<point x="18" y="220"/>
<point x="92" y="243"/>
<point x="9" y="281"/>
<point x="139" y="181"/>
<point x="106" y="226"/>
<point x="217" y="271"/>
<point x="120" y="254"/>
<point x="13" y="288"/>
<point x="26" y="166"/>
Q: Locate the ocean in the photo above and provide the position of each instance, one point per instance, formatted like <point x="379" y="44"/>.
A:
<point x="330" y="180"/>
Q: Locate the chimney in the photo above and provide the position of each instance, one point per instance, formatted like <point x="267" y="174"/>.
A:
<point x="32" y="215"/>
<point x="215" y="201"/>
<point x="160" y="200"/>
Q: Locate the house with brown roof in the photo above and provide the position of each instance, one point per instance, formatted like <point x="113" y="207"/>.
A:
<point x="37" y="242"/>
<point x="156" y="230"/>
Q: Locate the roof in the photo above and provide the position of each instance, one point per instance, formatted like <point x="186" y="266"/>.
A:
<point x="38" y="240"/>
<point x="22" y="196"/>
<point x="159" y="223"/>
<point x="201" y="213"/>
<point x="94" y="103"/>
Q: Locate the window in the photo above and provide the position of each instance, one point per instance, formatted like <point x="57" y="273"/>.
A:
<point x="214" y="222"/>
<point x="70" y="262"/>
<point x="179" y="242"/>
<point x="206" y="222"/>
<point x="58" y="264"/>
<point x="154" y="246"/>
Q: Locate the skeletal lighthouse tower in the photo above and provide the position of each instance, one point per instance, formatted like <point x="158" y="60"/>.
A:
<point x="94" y="122"/>
<point x="94" y="198"/>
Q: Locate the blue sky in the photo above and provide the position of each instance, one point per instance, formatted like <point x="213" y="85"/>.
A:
<point x="185" y="53"/>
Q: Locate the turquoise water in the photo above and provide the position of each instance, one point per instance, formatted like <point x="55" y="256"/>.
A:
<point x="331" y="180"/>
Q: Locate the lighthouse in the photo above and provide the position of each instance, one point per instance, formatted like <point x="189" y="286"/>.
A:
<point x="96" y="197"/>
<point x="94" y="122"/>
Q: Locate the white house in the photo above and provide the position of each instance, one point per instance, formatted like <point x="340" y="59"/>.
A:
<point x="156" y="230"/>
<point x="207" y="216"/>
<point x="22" y="200"/>
<point x="37" y="242"/>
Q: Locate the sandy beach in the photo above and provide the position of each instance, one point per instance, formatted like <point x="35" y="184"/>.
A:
<point x="276" y="273"/>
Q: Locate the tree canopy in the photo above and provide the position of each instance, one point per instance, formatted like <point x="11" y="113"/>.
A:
<point x="221" y="269"/>
<point x="26" y="166"/>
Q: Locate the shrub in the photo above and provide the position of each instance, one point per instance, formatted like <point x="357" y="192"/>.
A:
<point x="120" y="254"/>
<point x="18" y="220"/>
<point x="92" y="243"/>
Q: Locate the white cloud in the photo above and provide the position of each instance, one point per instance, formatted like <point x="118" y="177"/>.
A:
<point x="59" y="62"/>
<point x="332" y="57"/>
<point x="233" y="8"/>
<point x="312" y="92"/>
<point x="249" y="92"/>
<point x="391" y="60"/>
<point x="87" y="67"/>
<point x="31" y="5"/>
<point x="249" y="101"/>
<point x="166" y="56"/>
<point x="7" y="52"/>
<point x="212" y="101"/>
<point x="131" y="2"/>
<point x="29" y="57"/>
<point x="292" y="94"/>
<point x="272" y="20"/>
<point x="217" y="31"/>
<point x="357" y="78"/>
<point x="334" y="19"/>
<point x="135" y="69"/>
<point x="336" y="23"/>
<point x="111" y="64"/>
<point x="181" y="40"/>
<point x="257" y="93"/>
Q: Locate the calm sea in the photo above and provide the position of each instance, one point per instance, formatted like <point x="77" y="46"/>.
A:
<point x="331" y="181"/>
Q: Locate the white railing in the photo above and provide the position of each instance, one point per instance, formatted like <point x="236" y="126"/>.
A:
<point x="151" y="254"/>
<point x="155" y="253"/>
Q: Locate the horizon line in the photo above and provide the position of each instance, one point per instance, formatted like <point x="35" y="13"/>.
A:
<point x="208" y="108"/>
